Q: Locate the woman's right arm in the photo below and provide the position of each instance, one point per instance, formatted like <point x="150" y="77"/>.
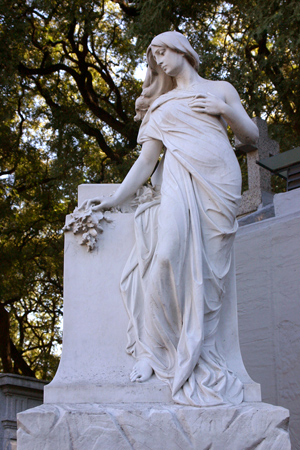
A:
<point x="136" y="177"/>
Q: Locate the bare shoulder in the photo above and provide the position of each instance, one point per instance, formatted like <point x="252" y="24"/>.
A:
<point x="224" y="86"/>
<point x="222" y="89"/>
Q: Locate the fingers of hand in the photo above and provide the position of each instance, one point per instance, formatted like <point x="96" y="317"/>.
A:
<point x="93" y="201"/>
<point x="97" y="207"/>
<point x="83" y="205"/>
<point x="200" y="96"/>
<point x="134" y="375"/>
<point x="209" y="105"/>
<point x="96" y="200"/>
<point x="198" y="105"/>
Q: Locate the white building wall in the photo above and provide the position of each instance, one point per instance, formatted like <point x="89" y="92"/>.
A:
<point x="268" y="284"/>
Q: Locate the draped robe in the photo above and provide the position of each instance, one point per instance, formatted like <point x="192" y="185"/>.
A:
<point x="174" y="282"/>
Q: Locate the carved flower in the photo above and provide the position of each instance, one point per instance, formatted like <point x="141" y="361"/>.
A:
<point x="88" y="223"/>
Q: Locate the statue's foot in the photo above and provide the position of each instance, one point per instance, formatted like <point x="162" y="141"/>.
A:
<point x="141" y="371"/>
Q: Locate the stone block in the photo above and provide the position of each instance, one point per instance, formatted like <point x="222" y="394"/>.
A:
<point x="94" y="366"/>
<point x="153" y="427"/>
<point x="268" y="272"/>
<point x="287" y="202"/>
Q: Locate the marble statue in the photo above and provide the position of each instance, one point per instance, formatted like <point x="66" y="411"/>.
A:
<point x="179" y="278"/>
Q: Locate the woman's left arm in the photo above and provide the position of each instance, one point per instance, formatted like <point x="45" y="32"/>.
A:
<point x="237" y="118"/>
<point x="230" y="109"/>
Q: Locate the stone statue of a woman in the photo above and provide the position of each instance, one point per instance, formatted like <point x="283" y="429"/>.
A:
<point x="179" y="282"/>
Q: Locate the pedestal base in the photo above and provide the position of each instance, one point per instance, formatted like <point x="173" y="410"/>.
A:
<point x="153" y="427"/>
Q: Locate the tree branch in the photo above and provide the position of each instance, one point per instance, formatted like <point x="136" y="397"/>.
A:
<point x="76" y="120"/>
<point x="20" y="361"/>
<point x="88" y="99"/>
<point x="47" y="70"/>
<point x="5" y="347"/>
<point x="275" y="75"/>
<point x="8" y="172"/>
<point x="131" y="11"/>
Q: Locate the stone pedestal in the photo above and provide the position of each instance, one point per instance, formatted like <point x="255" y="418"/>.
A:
<point x="92" y="405"/>
<point x="94" y="366"/>
<point x="154" y="427"/>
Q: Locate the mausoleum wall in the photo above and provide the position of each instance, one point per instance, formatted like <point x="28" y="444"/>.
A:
<point x="268" y="288"/>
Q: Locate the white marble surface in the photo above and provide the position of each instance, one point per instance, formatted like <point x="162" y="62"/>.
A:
<point x="287" y="202"/>
<point x="268" y="274"/>
<point x="153" y="427"/>
<point x="179" y="290"/>
<point x="95" y="366"/>
<point x="179" y="283"/>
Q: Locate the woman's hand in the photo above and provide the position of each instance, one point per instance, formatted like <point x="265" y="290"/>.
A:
<point x="208" y="103"/>
<point x="104" y="203"/>
<point x="100" y="204"/>
<point x="137" y="176"/>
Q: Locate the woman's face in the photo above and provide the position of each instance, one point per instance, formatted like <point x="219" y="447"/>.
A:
<point x="171" y="62"/>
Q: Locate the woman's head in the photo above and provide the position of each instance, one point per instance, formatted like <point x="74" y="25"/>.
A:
<point x="157" y="82"/>
<point x="176" y="42"/>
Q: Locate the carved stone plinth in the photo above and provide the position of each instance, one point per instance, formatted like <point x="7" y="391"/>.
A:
<point x="91" y="403"/>
<point x="94" y="366"/>
<point x="153" y="426"/>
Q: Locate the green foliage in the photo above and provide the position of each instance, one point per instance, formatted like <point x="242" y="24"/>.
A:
<point x="67" y="106"/>
<point x="254" y="45"/>
<point x="68" y="86"/>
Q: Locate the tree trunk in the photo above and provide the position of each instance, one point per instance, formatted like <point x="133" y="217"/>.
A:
<point x="5" y="348"/>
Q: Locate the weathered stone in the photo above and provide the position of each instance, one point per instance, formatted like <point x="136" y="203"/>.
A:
<point x="17" y="393"/>
<point x="287" y="202"/>
<point x="259" y="179"/>
<point x="179" y="292"/>
<point x="153" y="427"/>
<point x="268" y="271"/>
<point x="266" y="212"/>
<point x="95" y="366"/>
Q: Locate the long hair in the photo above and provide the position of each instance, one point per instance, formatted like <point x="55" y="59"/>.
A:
<point x="157" y="82"/>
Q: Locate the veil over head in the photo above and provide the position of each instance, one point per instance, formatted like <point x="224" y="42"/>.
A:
<point x="177" y="42"/>
<point x="157" y="82"/>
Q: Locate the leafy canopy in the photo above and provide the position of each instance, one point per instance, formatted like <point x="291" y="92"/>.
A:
<point x="68" y="86"/>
